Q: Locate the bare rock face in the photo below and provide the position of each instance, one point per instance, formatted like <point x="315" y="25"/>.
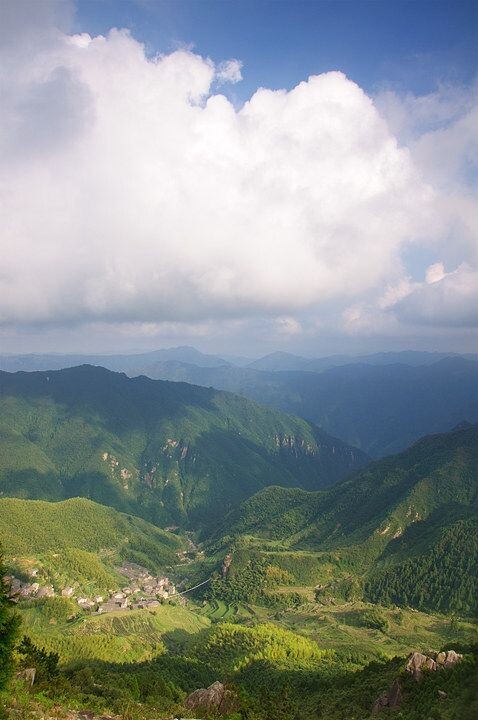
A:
<point x="417" y="663"/>
<point x="452" y="658"/>
<point x="391" y="698"/>
<point x="441" y="657"/>
<point x="216" y="698"/>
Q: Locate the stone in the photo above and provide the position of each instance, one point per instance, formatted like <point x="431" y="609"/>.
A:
<point x="395" y="695"/>
<point x="441" y="658"/>
<point x="442" y="695"/>
<point x="415" y="662"/>
<point x="28" y="675"/>
<point x="216" y="698"/>
<point x="391" y="698"/>
<point x="452" y="658"/>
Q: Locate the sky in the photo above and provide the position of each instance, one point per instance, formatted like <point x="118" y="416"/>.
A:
<point x="240" y="176"/>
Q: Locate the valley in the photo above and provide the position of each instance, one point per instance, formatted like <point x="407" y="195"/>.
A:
<point x="159" y="538"/>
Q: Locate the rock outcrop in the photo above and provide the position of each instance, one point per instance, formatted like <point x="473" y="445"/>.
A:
<point x="216" y="698"/>
<point x="391" y="698"/>
<point x="417" y="663"/>
<point x="28" y="675"/>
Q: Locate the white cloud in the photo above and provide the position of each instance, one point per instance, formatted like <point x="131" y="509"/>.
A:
<point x="444" y="299"/>
<point x="229" y="72"/>
<point x="131" y="193"/>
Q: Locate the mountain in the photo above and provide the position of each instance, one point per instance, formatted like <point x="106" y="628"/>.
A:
<point x="405" y="528"/>
<point x="379" y="408"/>
<point x="169" y="452"/>
<point x="131" y="363"/>
<point x="279" y="361"/>
<point x="80" y="541"/>
<point x="414" y="358"/>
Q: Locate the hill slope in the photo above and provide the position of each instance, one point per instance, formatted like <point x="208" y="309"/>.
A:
<point x="381" y="409"/>
<point x="169" y="452"/>
<point x="80" y="542"/>
<point x="407" y="526"/>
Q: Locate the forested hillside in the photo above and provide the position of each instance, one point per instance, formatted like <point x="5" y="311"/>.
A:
<point x="381" y="403"/>
<point x="381" y="408"/>
<point x="170" y="452"/>
<point x="80" y="542"/>
<point x="405" y="526"/>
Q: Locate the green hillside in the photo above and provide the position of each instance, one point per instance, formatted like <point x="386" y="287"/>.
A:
<point x="381" y="409"/>
<point x="80" y="542"/>
<point x="170" y="452"/>
<point x="404" y="530"/>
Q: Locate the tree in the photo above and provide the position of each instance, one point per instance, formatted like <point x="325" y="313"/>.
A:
<point x="9" y="624"/>
<point x="44" y="662"/>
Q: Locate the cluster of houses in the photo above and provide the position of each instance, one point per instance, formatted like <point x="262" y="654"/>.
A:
<point x="25" y="590"/>
<point x="143" y="591"/>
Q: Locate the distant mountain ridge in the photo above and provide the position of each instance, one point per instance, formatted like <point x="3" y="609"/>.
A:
<point x="143" y="362"/>
<point x="380" y="408"/>
<point x="169" y="452"/>
<point x="380" y="403"/>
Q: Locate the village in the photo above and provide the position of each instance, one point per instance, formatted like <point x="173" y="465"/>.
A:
<point x="142" y="590"/>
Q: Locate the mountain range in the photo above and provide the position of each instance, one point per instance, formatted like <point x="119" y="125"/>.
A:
<point x="380" y="403"/>
<point x="169" y="452"/>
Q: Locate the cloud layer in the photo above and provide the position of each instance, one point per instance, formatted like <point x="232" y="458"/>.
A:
<point x="132" y="190"/>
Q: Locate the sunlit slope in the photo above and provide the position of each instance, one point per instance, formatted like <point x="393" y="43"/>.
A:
<point x="79" y="542"/>
<point x="406" y="526"/>
<point x="170" y="452"/>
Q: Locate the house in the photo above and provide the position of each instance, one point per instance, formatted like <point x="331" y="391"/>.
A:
<point x="46" y="591"/>
<point x="153" y="604"/>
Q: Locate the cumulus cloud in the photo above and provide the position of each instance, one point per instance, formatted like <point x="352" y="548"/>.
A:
<point x="445" y="299"/>
<point x="131" y="191"/>
<point x="229" y="72"/>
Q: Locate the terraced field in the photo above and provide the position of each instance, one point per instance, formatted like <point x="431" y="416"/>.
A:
<point x="219" y="611"/>
<point x="129" y="635"/>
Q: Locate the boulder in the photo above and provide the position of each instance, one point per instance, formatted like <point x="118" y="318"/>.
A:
<point x="442" y="695"/>
<point x="28" y="675"/>
<point x="417" y="663"/>
<point x="395" y="695"/>
<point x="216" y="698"/>
<point x="392" y="698"/>
<point x="452" y="658"/>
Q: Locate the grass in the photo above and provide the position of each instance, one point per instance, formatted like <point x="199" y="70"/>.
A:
<point x="339" y="627"/>
<point x="124" y="636"/>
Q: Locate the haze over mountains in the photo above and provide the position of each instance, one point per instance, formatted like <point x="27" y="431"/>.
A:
<point x="319" y="565"/>
<point x="380" y="403"/>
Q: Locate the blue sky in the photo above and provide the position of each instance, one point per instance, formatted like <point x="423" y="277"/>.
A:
<point x="240" y="176"/>
<point x="409" y="44"/>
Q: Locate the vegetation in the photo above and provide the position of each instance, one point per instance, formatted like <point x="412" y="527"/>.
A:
<point x="9" y="622"/>
<point x="315" y="599"/>
<point x="169" y="452"/>
<point x="403" y="531"/>
<point x="79" y="542"/>
<point x="381" y="409"/>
